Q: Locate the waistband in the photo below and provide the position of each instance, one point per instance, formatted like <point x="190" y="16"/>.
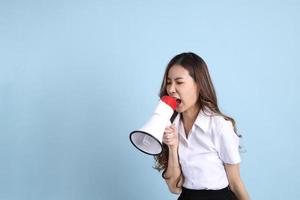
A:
<point x="204" y="192"/>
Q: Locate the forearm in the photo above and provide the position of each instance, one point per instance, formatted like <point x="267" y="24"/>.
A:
<point x="173" y="172"/>
<point x="240" y="191"/>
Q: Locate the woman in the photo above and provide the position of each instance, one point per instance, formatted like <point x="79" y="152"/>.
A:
<point x="200" y="158"/>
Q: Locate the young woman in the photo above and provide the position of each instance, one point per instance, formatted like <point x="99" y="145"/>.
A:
<point x="200" y="158"/>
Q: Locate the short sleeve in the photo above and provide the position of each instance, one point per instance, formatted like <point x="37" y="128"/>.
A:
<point x="227" y="142"/>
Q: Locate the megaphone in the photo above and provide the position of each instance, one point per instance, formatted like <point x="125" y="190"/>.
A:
<point x="148" y="139"/>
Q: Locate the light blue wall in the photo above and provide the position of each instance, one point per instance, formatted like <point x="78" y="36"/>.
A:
<point x="77" y="76"/>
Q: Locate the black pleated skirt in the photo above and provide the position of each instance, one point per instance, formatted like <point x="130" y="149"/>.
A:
<point x="223" y="194"/>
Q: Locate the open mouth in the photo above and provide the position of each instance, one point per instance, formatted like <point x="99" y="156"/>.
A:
<point x="178" y="101"/>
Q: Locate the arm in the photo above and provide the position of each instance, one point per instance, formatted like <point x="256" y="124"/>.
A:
<point x="173" y="171"/>
<point x="235" y="182"/>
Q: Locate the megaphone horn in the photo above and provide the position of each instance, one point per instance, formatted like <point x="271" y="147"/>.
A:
<point x="148" y="139"/>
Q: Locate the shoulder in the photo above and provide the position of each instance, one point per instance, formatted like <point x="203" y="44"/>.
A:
<point x="220" y="125"/>
<point x="217" y="121"/>
<point x="220" y="121"/>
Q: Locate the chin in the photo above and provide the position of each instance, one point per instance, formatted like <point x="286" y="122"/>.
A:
<point x="179" y="110"/>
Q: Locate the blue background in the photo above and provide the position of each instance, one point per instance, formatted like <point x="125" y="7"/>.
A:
<point x="77" y="76"/>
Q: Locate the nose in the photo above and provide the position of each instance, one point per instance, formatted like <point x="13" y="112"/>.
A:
<point x="171" y="89"/>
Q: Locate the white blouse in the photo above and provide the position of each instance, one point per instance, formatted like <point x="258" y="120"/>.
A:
<point x="210" y="143"/>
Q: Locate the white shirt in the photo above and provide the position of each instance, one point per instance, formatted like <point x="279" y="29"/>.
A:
<point x="210" y="143"/>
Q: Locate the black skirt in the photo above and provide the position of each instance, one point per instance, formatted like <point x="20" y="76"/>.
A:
<point x="223" y="194"/>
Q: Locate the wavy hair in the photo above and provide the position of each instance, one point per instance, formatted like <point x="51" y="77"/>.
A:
<point x="207" y="98"/>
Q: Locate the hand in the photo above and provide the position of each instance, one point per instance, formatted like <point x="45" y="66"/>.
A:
<point x="170" y="137"/>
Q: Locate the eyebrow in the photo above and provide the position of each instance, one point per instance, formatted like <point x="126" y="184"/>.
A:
<point x="178" y="78"/>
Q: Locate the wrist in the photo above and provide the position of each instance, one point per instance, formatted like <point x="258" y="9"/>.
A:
<point x="173" y="147"/>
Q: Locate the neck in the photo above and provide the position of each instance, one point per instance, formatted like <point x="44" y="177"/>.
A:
<point x="189" y="116"/>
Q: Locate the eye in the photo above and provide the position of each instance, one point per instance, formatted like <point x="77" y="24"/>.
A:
<point x="179" y="83"/>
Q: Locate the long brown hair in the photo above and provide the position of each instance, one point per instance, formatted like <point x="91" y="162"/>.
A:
<point x="207" y="98"/>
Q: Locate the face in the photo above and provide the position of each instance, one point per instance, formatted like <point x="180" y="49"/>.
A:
<point x="183" y="87"/>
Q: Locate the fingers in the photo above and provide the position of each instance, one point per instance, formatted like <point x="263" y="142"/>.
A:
<point x="170" y="135"/>
<point x="170" y="128"/>
<point x="168" y="141"/>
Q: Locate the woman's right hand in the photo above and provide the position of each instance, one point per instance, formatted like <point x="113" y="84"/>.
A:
<point x="170" y="137"/>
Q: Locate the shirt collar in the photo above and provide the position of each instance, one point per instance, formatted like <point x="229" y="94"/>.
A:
<point x="202" y="120"/>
